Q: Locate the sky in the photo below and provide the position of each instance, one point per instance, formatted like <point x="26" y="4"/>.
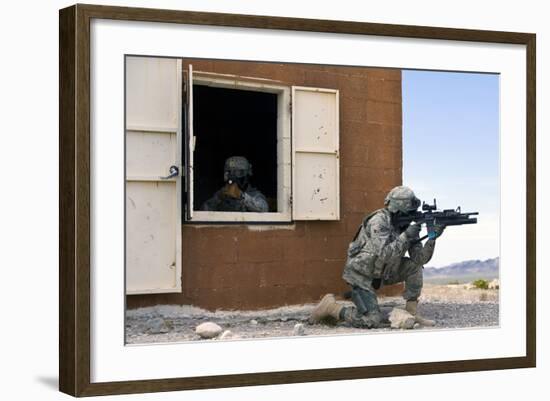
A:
<point x="451" y="153"/>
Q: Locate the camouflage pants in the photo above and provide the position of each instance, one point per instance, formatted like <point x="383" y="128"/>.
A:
<point x="409" y="273"/>
<point x="366" y="313"/>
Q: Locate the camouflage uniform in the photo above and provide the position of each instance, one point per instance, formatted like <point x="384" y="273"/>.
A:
<point x="251" y="200"/>
<point x="378" y="254"/>
<point x="376" y="257"/>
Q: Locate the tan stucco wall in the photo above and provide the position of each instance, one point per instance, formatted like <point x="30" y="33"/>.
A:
<point x="234" y="267"/>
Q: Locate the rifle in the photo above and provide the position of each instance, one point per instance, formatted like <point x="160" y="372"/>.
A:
<point x="432" y="217"/>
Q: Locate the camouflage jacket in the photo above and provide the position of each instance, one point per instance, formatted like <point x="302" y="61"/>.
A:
<point x="251" y="200"/>
<point x="378" y="249"/>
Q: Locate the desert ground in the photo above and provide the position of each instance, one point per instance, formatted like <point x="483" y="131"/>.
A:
<point x="451" y="306"/>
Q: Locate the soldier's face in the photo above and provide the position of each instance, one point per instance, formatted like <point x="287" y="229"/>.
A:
<point x="400" y="225"/>
<point x="240" y="177"/>
<point x="242" y="182"/>
<point x="401" y="213"/>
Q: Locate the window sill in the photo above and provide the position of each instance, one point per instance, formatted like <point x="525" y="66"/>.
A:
<point x="239" y="217"/>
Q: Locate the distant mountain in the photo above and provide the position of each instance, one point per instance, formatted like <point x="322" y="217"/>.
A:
<point x="463" y="271"/>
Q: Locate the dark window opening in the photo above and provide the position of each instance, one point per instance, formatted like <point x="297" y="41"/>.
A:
<point x="234" y="122"/>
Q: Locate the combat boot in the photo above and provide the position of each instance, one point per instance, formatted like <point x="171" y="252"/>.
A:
<point x="328" y="307"/>
<point x="411" y="308"/>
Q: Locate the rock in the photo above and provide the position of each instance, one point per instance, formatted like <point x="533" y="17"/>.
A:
<point x="299" y="330"/>
<point x="208" y="330"/>
<point x="401" y="319"/>
<point x="495" y="284"/>
<point x="253" y="322"/>
<point x="417" y="326"/>
<point x="157" y="325"/>
<point x="226" y="335"/>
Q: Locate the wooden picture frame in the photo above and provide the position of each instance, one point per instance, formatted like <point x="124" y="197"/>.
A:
<point x="74" y="203"/>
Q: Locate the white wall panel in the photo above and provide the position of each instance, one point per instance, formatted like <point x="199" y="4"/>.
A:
<point x="150" y="153"/>
<point x="316" y="119"/>
<point x="150" y="236"/>
<point x="316" y="195"/>
<point x="152" y="93"/>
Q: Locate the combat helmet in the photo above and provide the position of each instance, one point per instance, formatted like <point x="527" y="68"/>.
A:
<point x="237" y="169"/>
<point x="237" y="166"/>
<point x="401" y="199"/>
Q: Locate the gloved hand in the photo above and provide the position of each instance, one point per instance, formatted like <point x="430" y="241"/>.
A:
<point x="437" y="231"/>
<point x="413" y="231"/>
<point x="232" y="191"/>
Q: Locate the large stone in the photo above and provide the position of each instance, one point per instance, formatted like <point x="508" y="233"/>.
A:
<point x="401" y="319"/>
<point x="208" y="330"/>
<point x="299" y="330"/>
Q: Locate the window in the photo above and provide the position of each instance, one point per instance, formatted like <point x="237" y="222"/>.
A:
<point x="229" y="122"/>
<point x="288" y="134"/>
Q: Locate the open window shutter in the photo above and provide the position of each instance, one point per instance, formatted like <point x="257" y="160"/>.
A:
<point x="315" y="154"/>
<point x="189" y="142"/>
<point x="153" y="204"/>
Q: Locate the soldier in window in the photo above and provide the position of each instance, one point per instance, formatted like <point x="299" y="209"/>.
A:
<point x="237" y="195"/>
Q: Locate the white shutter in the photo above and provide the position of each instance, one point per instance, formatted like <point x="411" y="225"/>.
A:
<point x="153" y="144"/>
<point x="152" y="94"/>
<point x="315" y="154"/>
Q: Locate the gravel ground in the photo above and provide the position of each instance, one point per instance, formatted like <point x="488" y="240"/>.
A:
<point x="450" y="306"/>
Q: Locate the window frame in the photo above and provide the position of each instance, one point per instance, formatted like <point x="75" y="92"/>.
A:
<point x="284" y="150"/>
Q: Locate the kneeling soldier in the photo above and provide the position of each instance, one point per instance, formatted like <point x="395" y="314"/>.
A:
<point x="376" y="257"/>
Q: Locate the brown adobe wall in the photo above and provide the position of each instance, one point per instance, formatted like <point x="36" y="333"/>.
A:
<point x="233" y="267"/>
